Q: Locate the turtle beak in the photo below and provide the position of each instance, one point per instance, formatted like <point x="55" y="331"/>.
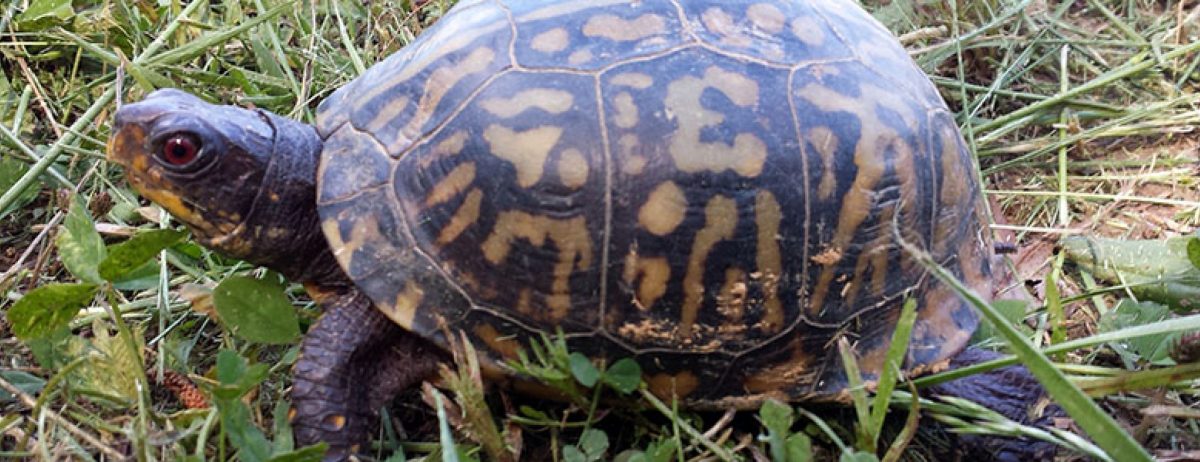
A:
<point x="126" y="142"/>
<point x="130" y="126"/>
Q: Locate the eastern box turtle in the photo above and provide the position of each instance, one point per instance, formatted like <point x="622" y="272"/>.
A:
<point x="712" y="187"/>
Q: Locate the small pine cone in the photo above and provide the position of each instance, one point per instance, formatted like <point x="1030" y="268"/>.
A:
<point x="100" y="204"/>
<point x="1188" y="348"/>
<point x="184" y="390"/>
<point x="193" y="399"/>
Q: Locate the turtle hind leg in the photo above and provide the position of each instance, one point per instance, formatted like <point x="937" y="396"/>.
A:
<point x="353" y="361"/>
<point x="1011" y="391"/>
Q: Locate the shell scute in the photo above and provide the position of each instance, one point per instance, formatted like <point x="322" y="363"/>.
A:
<point x="408" y="94"/>
<point x="529" y="206"/>
<point x="946" y="325"/>
<point x="704" y="162"/>
<point x="784" y="33"/>
<point x="879" y="50"/>
<point x="351" y="163"/>
<point x="371" y="243"/>
<point x="955" y="203"/>
<point x="869" y="164"/>
<point x="590" y="35"/>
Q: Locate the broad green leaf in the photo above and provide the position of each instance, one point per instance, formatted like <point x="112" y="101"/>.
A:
<point x="230" y="367"/>
<point x="663" y="452"/>
<point x="1011" y="310"/>
<point x="128" y="256"/>
<point x="79" y="245"/>
<point x="573" y="454"/>
<point x="256" y="310"/>
<point x="53" y="350"/>
<point x="117" y="369"/>
<point x="235" y="376"/>
<point x="48" y="308"/>
<point x="777" y="417"/>
<point x="28" y="383"/>
<point x="592" y="446"/>
<point x="125" y="211"/>
<point x="594" y="443"/>
<point x="242" y="432"/>
<point x="143" y="277"/>
<point x="624" y="375"/>
<point x="43" y="14"/>
<point x="799" y="448"/>
<point x="1155" y="270"/>
<point x="583" y="370"/>
<point x="1153" y="348"/>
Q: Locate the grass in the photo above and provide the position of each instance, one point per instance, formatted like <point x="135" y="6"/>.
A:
<point x="1082" y="115"/>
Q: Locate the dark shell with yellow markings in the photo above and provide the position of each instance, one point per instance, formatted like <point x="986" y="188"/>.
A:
<point x="708" y="186"/>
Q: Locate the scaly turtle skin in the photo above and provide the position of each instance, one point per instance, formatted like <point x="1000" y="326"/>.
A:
<point x="715" y="188"/>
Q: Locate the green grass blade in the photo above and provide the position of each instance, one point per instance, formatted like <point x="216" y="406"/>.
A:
<point x="891" y="366"/>
<point x="1141" y="380"/>
<point x="212" y="39"/>
<point x="1054" y="305"/>
<point x="351" y="49"/>
<point x="1168" y="326"/>
<point x="11" y="137"/>
<point x="825" y="429"/>
<point x="720" y="452"/>
<point x="858" y="394"/>
<point x="445" y="436"/>
<point x="1102" y="81"/>
<point x="896" y="450"/>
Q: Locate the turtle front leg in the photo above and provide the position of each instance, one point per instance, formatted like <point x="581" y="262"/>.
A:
<point x="353" y="361"/>
<point x="1011" y="391"/>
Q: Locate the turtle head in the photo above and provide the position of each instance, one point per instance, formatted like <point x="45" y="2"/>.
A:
<point x="243" y="180"/>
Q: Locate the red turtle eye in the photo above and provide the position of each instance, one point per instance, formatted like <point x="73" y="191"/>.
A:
<point x="180" y="149"/>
